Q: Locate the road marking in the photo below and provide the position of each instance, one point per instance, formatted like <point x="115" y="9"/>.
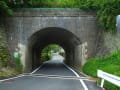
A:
<point x="81" y="81"/>
<point x="20" y="75"/>
<point x="11" y="78"/>
<point x="57" y="76"/>
<point x="37" y="69"/>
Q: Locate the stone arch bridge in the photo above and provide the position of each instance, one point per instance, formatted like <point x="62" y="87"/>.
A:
<point x="31" y="30"/>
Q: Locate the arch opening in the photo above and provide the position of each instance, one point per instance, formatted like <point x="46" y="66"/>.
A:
<point x="51" y="52"/>
<point x="51" y="35"/>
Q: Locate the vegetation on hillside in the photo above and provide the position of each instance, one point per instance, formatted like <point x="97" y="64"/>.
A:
<point x="8" y="72"/>
<point x="110" y="64"/>
<point x="5" y="9"/>
<point x="7" y="66"/>
<point x="4" y="53"/>
<point x="108" y="13"/>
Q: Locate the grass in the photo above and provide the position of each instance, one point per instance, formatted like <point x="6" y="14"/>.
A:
<point x="8" y="72"/>
<point x="110" y="64"/>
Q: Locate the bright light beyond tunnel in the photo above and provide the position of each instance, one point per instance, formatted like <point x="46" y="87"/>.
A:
<point x="53" y="52"/>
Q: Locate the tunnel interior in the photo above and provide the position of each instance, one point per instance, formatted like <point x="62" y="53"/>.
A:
<point x="46" y="36"/>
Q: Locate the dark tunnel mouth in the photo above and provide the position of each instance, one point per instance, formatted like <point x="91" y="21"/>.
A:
<point x="62" y="37"/>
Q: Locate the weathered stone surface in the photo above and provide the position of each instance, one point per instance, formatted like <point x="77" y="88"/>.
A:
<point x="3" y="38"/>
<point x="4" y="53"/>
<point x="108" y="43"/>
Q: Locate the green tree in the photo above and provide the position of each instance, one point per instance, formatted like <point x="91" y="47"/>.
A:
<point x="4" y="8"/>
<point x="107" y="15"/>
<point x="46" y="52"/>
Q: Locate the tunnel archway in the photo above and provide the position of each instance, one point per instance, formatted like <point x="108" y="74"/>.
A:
<point x="47" y="36"/>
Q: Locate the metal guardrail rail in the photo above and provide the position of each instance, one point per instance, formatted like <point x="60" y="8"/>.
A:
<point x="108" y="77"/>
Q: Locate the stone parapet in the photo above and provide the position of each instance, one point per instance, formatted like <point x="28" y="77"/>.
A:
<point x="37" y="12"/>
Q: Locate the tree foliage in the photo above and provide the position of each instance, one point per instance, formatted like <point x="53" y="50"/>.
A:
<point x="46" y="52"/>
<point x="107" y="10"/>
<point x="4" y="8"/>
<point x="108" y="13"/>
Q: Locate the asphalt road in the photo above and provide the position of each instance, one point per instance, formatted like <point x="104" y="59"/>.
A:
<point x="44" y="82"/>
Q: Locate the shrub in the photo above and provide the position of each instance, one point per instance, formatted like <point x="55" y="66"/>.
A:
<point x="19" y="66"/>
<point x="110" y="64"/>
<point x="4" y="57"/>
<point x="8" y="72"/>
<point x="46" y="53"/>
<point x="5" y="9"/>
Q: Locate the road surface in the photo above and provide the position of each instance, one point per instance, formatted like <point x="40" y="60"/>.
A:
<point x="53" y="78"/>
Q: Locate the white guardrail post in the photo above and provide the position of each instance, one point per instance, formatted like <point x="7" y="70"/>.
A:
<point x="108" y="77"/>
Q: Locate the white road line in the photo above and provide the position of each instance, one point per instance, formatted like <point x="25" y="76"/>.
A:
<point x="11" y="78"/>
<point x="56" y="76"/>
<point x="81" y="81"/>
<point x="20" y="75"/>
<point x="36" y="69"/>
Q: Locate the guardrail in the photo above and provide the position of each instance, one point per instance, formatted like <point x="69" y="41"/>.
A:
<point x="108" y="77"/>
